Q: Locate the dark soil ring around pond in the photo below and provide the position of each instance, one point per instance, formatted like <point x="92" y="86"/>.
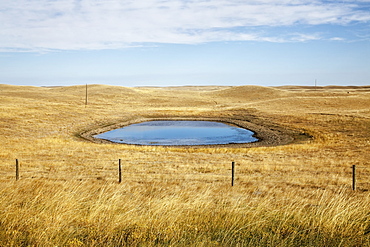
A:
<point x="267" y="135"/>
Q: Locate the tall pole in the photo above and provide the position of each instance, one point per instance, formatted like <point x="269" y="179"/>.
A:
<point x="86" y="95"/>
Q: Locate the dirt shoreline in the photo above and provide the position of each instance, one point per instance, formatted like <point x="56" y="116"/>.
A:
<point x="267" y="134"/>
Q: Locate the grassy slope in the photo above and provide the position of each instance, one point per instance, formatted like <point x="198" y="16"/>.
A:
<point x="297" y="194"/>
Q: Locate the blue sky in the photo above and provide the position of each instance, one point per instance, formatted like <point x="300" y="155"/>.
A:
<point x="184" y="42"/>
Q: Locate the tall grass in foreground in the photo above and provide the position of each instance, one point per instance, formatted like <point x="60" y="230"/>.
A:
<point x="75" y="213"/>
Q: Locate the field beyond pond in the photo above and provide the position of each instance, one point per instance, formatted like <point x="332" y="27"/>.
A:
<point x="294" y="188"/>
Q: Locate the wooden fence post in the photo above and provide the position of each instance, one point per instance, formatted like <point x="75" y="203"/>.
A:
<point x="16" y="170"/>
<point x="119" y="171"/>
<point x="353" y="177"/>
<point x="232" y="173"/>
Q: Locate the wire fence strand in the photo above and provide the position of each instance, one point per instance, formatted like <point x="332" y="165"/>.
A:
<point x="107" y="169"/>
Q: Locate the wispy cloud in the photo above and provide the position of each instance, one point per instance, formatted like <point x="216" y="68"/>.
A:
<point x="94" y="24"/>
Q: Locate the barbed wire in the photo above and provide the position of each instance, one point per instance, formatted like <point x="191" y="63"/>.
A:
<point x="106" y="169"/>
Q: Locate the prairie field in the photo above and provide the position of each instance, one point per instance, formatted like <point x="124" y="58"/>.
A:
<point x="293" y="188"/>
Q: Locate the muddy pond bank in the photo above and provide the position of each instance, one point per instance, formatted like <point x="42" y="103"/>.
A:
<point x="268" y="134"/>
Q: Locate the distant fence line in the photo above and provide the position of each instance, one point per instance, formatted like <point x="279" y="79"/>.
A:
<point x="231" y="173"/>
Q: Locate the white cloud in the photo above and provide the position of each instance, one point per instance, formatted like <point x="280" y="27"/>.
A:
<point x="336" y="39"/>
<point x="96" y="24"/>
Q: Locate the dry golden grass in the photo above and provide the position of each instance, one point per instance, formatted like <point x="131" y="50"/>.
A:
<point x="298" y="194"/>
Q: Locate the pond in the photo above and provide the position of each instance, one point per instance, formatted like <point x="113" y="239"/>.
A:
<point x="170" y="133"/>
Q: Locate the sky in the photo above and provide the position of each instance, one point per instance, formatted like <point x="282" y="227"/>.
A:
<point x="185" y="42"/>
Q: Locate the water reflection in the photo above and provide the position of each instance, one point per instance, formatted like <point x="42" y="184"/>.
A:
<point x="179" y="133"/>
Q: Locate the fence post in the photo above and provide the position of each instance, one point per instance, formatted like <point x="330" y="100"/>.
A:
<point x="353" y="177"/>
<point x="16" y="170"/>
<point x="232" y="173"/>
<point x="119" y="171"/>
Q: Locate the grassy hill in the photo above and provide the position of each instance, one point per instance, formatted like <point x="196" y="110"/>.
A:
<point x="292" y="190"/>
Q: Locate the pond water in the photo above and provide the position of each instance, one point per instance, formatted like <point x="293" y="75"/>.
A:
<point x="179" y="133"/>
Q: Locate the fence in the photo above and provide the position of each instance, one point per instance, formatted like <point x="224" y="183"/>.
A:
<point x="120" y="170"/>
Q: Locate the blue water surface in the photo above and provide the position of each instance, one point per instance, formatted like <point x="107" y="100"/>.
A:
<point x="179" y="133"/>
